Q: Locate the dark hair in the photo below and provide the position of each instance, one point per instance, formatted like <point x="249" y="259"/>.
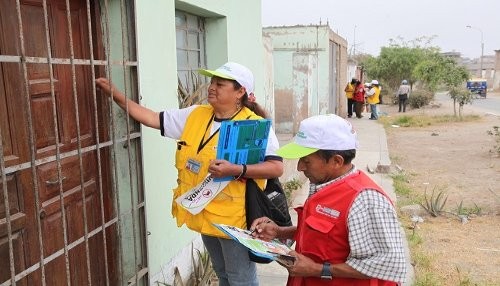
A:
<point x="347" y="155"/>
<point x="253" y="106"/>
<point x="354" y="80"/>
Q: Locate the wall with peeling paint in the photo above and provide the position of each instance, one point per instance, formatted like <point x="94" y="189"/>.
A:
<point x="310" y="72"/>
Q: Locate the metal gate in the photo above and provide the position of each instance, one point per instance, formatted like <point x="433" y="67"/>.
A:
<point x="71" y="196"/>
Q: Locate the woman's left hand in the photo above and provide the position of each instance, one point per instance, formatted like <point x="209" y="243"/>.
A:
<point x="223" y="168"/>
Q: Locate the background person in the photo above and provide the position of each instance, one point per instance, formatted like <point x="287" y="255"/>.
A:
<point x="347" y="231"/>
<point x="197" y="127"/>
<point x="373" y="98"/>
<point x="403" y="95"/>
<point x="349" y="92"/>
<point x="359" y="98"/>
<point x="368" y="92"/>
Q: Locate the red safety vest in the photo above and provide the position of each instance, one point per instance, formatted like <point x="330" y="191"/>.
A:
<point x="359" y="93"/>
<point x="322" y="233"/>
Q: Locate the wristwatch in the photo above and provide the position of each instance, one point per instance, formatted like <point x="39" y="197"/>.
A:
<point x="326" y="273"/>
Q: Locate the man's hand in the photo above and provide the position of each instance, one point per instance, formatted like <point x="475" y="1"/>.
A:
<point x="264" y="228"/>
<point x="304" y="266"/>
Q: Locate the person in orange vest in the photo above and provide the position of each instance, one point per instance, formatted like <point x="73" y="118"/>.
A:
<point x="349" y="92"/>
<point x="347" y="231"/>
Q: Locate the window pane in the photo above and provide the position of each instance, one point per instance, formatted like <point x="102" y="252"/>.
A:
<point x="180" y="39"/>
<point x="182" y="62"/>
<point x="193" y="42"/>
<point x="194" y="59"/>
<point x="180" y="19"/>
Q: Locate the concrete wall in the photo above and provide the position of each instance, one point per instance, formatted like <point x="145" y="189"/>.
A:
<point x="496" y="75"/>
<point x="268" y="96"/>
<point x="310" y="68"/>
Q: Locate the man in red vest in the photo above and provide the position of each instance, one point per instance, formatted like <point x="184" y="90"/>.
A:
<point x="347" y="231"/>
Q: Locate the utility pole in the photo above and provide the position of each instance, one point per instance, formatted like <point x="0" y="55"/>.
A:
<point x="354" y="43"/>
<point x="482" y="49"/>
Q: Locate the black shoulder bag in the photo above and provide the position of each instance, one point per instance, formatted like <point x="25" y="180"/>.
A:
<point x="271" y="203"/>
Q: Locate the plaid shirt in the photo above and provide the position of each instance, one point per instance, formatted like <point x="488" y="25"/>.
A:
<point x="375" y="240"/>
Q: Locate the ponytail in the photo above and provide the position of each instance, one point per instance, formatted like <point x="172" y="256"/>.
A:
<point x="253" y="105"/>
<point x="249" y="102"/>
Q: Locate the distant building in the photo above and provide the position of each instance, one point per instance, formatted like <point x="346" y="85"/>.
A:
<point x="310" y="72"/>
<point x="496" y="75"/>
<point x="489" y="67"/>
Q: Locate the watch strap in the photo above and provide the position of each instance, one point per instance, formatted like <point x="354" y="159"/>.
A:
<point x="326" y="273"/>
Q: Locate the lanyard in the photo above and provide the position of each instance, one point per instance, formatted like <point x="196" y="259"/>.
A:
<point x="204" y="142"/>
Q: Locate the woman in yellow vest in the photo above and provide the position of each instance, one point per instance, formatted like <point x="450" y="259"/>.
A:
<point x="196" y="129"/>
<point x="373" y="98"/>
<point x="349" y="93"/>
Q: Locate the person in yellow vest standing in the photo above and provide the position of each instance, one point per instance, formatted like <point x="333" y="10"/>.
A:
<point x="373" y="98"/>
<point x="196" y="129"/>
<point x="349" y="93"/>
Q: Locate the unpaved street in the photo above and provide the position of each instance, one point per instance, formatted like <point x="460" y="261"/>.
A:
<point x="455" y="158"/>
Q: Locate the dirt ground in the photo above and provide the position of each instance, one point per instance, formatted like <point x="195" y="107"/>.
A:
<point x="455" y="158"/>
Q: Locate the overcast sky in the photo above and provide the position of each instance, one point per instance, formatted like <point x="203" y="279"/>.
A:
<point x="373" y="22"/>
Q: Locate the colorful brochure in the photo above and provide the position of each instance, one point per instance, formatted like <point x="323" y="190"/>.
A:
<point x="243" y="142"/>
<point x="240" y="142"/>
<point x="273" y="249"/>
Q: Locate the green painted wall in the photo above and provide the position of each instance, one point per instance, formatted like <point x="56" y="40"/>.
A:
<point x="232" y="35"/>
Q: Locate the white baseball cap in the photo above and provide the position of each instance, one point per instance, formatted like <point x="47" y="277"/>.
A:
<point x="233" y="71"/>
<point x="375" y="81"/>
<point x="325" y="132"/>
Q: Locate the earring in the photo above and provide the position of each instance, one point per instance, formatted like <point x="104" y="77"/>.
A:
<point x="238" y="104"/>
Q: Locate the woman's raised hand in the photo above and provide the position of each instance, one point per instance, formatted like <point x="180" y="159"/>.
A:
<point x="103" y="84"/>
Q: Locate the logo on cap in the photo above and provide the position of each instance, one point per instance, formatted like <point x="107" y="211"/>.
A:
<point x="301" y="135"/>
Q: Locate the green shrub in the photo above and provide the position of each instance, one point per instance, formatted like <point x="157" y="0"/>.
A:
<point x="289" y="187"/>
<point x="435" y="204"/>
<point x="419" y="98"/>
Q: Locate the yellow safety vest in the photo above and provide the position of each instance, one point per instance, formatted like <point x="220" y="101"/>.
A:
<point x="349" y="90"/>
<point x="228" y="207"/>
<point x="375" y="98"/>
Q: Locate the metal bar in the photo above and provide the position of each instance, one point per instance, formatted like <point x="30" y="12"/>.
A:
<point x="38" y="162"/>
<point x="28" y="115"/>
<point x="142" y="203"/>
<point x="113" y="139"/>
<point x="79" y="142"/>
<point x="60" y="252"/>
<point x="61" y="191"/>
<point x="7" y="211"/>
<point x="54" y="118"/>
<point x="61" y="61"/>
<point x="124" y="30"/>
<point x="97" y="138"/>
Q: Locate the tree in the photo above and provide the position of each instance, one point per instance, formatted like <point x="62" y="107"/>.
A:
<point x="462" y="96"/>
<point x="437" y="69"/>
<point x="417" y="60"/>
<point x="397" y="61"/>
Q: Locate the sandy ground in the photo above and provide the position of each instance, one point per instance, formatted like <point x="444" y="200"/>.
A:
<point x="455" y="158"/>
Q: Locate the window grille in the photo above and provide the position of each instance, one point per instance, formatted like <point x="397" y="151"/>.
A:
<point x="71" y="196"/>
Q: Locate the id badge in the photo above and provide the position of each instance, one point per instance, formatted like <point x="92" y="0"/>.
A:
<point x="193" y="166"/>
